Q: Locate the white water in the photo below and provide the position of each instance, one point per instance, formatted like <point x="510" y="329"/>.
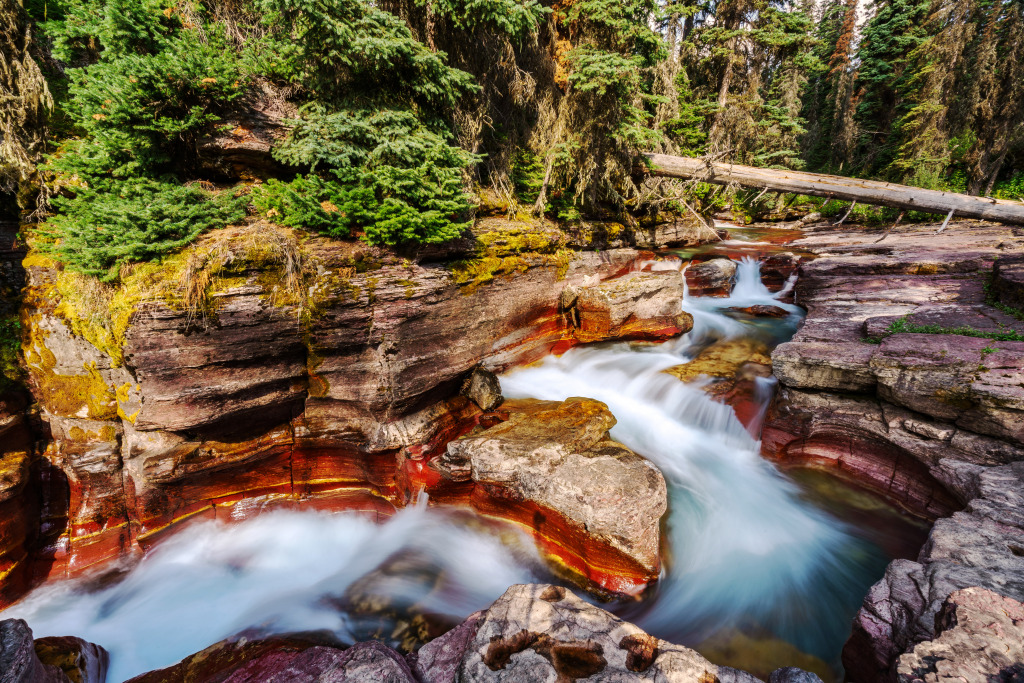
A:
<point x="272" y="573"/>
<point x="744" y="548"/>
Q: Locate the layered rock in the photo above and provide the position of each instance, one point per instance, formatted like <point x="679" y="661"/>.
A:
<point x="896" y="382"/>
<point x="644" y="306"/>
<point x="589" y="501"/>
<point x="258" y="392"/>
<point x="886" y="414"/>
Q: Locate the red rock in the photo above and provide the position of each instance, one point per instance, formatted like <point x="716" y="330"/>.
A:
<point x="591" y="503"/>
<point x="711" y="278"/>
<point x="763" y="311"/>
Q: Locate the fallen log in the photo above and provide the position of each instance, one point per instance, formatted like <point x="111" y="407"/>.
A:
<point x="839" y="187"/>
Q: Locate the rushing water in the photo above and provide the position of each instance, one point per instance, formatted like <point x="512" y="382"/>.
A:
<point x="748" y="552"/>
<point x="757" y="575"/>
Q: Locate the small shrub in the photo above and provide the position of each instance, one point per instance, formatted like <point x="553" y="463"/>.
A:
<point x="385" y="171"/>
<point x="109" y="224"/>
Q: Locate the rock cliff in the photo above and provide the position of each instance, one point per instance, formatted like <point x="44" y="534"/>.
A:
<point x="907" y="377"/>
<point x="264" y="368"/>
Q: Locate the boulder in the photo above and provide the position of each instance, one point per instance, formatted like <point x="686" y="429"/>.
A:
<point x="47" y="660"/>
<point x="545" y="633"/>
<point x="711" y="278"/>
<point x="483" y="388"/>
<point x="592" y="502"/>
<point x="979" y="638"/>
<point x="81" y="661"/>
<point x="777" y="269"/>
<point x="644" y="306"/>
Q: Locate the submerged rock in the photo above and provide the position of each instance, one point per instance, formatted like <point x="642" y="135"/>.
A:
<point x="979" y="638"/>
<point x="593" y="503"/>
<point x="734" y="367"/>
<point x="763" y="311"/>
<point x="643" y="306"/>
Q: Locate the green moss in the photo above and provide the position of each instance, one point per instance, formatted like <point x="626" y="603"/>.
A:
<point x="410" y="287"/>
<point x="86" y="395"/>
<point x="902" y="325"/>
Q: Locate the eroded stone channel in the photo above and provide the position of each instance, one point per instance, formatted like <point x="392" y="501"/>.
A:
<point x="759" y="568"/>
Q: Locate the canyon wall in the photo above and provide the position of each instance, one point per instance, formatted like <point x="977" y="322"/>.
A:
<point x="907" y="378"/>
<point x="336" y="393"/>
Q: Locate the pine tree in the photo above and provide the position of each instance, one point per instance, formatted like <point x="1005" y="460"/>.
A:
<point x="884" y="79"/>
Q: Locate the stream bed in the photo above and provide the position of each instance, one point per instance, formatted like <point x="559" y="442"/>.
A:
<point x="763" y="568"/>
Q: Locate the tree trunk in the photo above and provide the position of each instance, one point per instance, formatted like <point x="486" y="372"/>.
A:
<point x="839" y="187"/>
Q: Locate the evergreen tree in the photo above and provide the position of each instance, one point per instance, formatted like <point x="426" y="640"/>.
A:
<point x="885" y="79"/>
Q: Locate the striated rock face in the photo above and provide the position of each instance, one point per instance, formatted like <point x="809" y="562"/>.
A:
<point x="877" y="387"/>
<point x="980" y="546"/>
<point x="591" y="502"/>
<point x="886" y="414"/>
<point x="644" y="306"/>
<point x="335" y="397"/>
<point x="711" y="278"/>
<point x="979" y="639"/>
<point x="47" y="660"/>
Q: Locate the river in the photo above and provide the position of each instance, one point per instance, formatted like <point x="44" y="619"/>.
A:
<point x="763" y="568"/>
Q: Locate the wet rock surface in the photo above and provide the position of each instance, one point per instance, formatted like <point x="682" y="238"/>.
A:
<point x="645" y="306"/>
<point x="893" y="383"/>
<point x="711" y="278"/>
<point x="551" y="467"/>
